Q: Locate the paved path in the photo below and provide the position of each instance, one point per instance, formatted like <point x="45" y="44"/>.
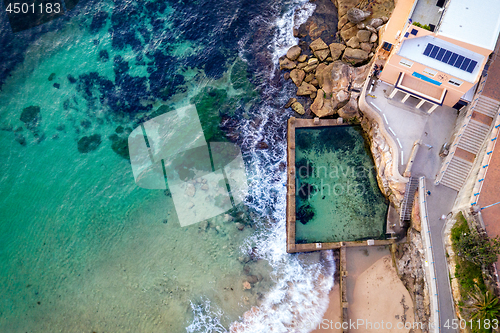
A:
<point x="440" y="202"/>
<point x="433" y="130"/>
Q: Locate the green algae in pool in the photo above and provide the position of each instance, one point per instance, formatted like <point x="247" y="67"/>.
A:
<point x="337" y="198"/>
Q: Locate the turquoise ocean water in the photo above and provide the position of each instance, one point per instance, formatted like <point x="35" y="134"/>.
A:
<point x="82" y="248"/>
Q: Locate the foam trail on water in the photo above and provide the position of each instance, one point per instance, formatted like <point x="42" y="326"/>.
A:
<point x="283" y="38"/>
<point x="299" y="298"/>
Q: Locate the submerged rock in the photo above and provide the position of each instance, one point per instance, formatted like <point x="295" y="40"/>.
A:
<point x="21" y="139"/>
<point x="305" y="213"/>
<point x="89" y="143"/>
<point x="31" y="115"/>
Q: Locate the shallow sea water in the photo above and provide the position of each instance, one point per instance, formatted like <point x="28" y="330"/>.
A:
<point x="82" y="248"/>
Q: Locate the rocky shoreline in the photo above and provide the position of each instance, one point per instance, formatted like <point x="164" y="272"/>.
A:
<point x="329" y="67"/>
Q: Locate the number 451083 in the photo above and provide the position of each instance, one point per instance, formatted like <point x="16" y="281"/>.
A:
<point x="25" y="8"/>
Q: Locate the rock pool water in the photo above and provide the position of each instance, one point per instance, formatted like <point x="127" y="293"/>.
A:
<point x="338" y="198"/>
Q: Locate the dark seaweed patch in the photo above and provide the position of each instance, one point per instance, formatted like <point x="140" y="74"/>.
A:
<point x="305" y="213"/>
<point x="31" y="116"/>
<point x="103" y="56"/>
<point x="89" y="143"/>
<point x="98" y="21"/>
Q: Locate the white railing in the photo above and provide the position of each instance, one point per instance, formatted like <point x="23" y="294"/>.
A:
<point x="429" y="259"/>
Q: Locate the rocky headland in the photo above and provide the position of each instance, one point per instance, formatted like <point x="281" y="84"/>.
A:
<point x="332" y="59"/>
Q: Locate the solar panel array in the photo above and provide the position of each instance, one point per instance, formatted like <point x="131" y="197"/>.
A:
<point x="450" y="58"/>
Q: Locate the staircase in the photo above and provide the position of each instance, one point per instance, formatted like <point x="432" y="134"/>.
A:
<point x="471" y="141"/>
<point x="487" y="106"/>
<point x="456" y="173"/>
<point x="407" y="204"/>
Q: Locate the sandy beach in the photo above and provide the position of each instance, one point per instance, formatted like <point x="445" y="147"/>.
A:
<point x="379" y="302"/>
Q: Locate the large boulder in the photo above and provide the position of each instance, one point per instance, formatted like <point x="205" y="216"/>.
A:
<point x="318" y="44"/>
<point x="353" y="42"/>
<point x="297" y="76"/>
<point x="376" y="22"/>
<point x="287" y="64"/>
<point x="364" y="36"/>
<point x="357" y="76"/>
<point x="355" y="15"/>
<point x="350" y="110"/>
<point x="305" y="89"/>
<point x="348" y="31"/>
<point x="367" y="47"/>
<point x="302" y="58"/>
<point x="324" y="105"/>
<point x="322" y="54"/>
<point x="342" y="96"/>
<point x="293" y="53"/>
<point x="336" y="50"/>
<point x="334" y="77"/>
<point x="297" y="107"/>
<point x="354" y="56"/>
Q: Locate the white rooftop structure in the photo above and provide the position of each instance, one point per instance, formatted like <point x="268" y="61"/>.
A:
<point x="414" y="49"/>
<point x="476" y="22"/>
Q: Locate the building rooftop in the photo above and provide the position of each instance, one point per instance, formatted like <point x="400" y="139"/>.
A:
<point x="475" y="22"/>
<point x="417" y="49"/>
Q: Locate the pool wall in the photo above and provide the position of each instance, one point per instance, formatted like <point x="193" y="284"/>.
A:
<point x="292" y="247"/>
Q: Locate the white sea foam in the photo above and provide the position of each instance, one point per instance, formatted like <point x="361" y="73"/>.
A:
<point x="299" y="297"/>
<point x="283" y="38"/>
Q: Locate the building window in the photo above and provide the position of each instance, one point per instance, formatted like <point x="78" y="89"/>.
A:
<point x="430" y="72"/>
<point x="455" y="82"/>
<point x="406" y="63"/>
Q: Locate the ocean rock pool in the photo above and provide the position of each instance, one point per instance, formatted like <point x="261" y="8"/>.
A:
<point x="336" y="191"/>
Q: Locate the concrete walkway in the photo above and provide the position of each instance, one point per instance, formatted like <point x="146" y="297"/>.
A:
<point x="408" y="125"/>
